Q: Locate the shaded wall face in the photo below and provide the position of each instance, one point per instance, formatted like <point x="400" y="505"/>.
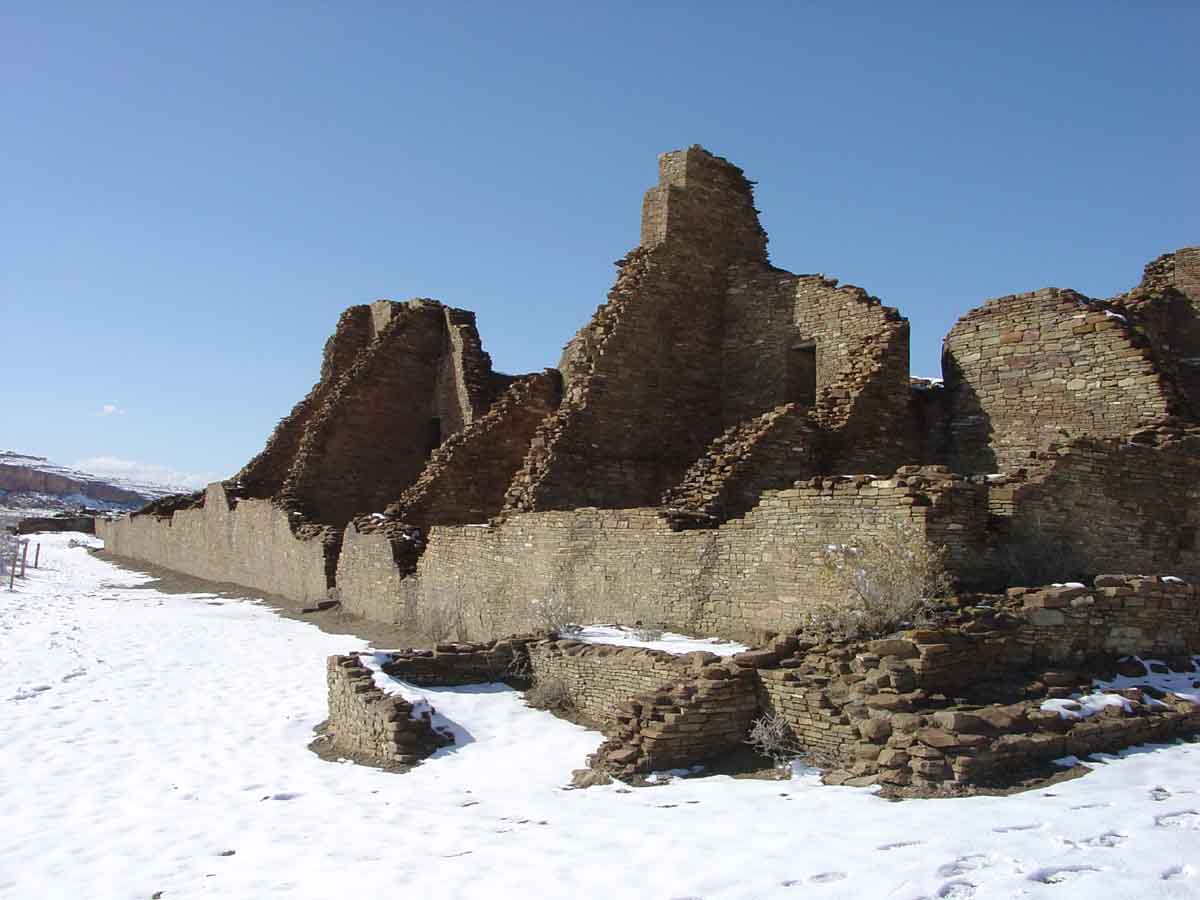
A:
<point x="1031" y="370"/>
<point x="796" y="338"/>
<point x="1106" y="508"/>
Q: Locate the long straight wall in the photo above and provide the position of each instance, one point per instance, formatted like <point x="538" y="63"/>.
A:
<point x="248" y="543"/>
<point x="751" y="575"/>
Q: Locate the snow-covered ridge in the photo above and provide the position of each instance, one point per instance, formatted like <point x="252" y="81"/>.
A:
<point x="35" y="477"/>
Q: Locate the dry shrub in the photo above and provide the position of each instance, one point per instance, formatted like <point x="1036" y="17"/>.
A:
<point x="550" y="694"/>
<point x="647" y="632"/>
<point x="886" y="581"/>
<point x="558" y="615"/>
<point x="771" y="737"/>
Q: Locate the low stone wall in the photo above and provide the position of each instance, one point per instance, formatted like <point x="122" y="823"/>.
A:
<point x="702" y="717"/>
<point x="246" y="542"/>
<point x="373" y="727"/>
<point x="453" y="663"/>
<point x="85" y="524"/>
<point x="599" y="679"/>
<point x="960" y="704"/>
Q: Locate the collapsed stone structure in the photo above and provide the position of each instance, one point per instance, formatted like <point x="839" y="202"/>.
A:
<point x="716" y="424"/>
<point x="952" y="706"/>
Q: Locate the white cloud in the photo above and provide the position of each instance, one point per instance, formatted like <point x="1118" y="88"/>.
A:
<point x="144" y="473"/>
<point x="110" y="409"/>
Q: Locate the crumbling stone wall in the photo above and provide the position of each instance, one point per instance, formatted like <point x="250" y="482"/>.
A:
<point x="960" y="703"/>
<point x="1105" y="505"/>
<point x="599" y="678"/>
<point x="264" y="475"/>
<point x="1029" y="370"/>
<point x="248" y="542"/>
<point x="642" y="381"/>
<point x="373" y="727"/>
<point x="466" y="477"/>
<point x="397" y="378"/>
<point x="770" y="450"/>
<point x="750" y="575"/>
<point x="854" y="416"/>
<point x="1165" y="309"/>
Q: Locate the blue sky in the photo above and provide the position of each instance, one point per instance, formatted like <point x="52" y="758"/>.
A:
<point x="193" y="193"/>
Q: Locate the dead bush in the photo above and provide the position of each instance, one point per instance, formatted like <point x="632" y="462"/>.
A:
<point x="771" y="737"/>
<point x="549" y="694"/>
<point x="647" y="632"/>
<point x="558" y="615"/>
<point x="880" y="584"/>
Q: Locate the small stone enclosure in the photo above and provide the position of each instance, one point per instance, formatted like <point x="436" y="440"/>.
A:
<point x="714" y="426"/>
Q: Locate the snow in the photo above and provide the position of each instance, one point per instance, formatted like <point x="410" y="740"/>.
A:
<point x="156" y="742"/>
<point x="1082" y="706"/>
<point x="670" y="642"/>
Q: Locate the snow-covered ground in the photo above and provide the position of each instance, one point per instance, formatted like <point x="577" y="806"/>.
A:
<point x="668" y="641"/>
<point x="154" y="745"/>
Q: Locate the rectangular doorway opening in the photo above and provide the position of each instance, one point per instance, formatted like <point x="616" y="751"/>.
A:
<point x="802" y="373"/>
<point x="435" y="435"/>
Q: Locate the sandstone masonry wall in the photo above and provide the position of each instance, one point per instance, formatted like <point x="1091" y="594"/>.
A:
<point x="750" y="575"/>
<point x="370" y="726"/>
<point x="1030" y="370"/>
<point x="1110" y="505"/>
<point x="642" y="380"/>
<point x="246" y="542"/>
<point x="599" y="678"/>
<point x="466" y="477"/>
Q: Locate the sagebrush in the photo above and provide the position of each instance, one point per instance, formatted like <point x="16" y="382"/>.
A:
<point x="883" y="582"/>
<point x="771" y="737"/>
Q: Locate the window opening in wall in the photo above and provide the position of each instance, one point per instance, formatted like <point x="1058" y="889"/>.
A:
<point x="435" y="435"/>
<point x="802" y="373"/>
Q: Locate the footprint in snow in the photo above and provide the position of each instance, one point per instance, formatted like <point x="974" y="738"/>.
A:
<point x="964" y="864"/>
<point x="956" y="890"/>
<point x="29" y="693"/>
<point x="899" y="845"/>
<point x="1159" y="794"/>
<point x="75" y="673"/>
<point x="1188" y="820"/>
<point x="827" y="877"/>
<point x="1108" y="839"/>
<point x="1004" y="829"/>
<point x="282" y="796"/>
<point x="1177" y="872"/>
<point x="1090" y="806"/>
<point x="1060" y="874"/>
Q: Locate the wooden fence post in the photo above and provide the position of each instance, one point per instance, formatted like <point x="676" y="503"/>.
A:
<point x="24" y="556"/>
<point x="37" y="555"/>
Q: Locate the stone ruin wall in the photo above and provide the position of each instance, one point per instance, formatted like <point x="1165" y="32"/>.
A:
<point x="696" y="335"/>
<point x="642" y="382"/>
<point x="370" y="439"/>
<point x="1165" y="308"/>
<point x="939" y="708"/>
<point x="1106" y="505"/>
<point x="265" y="474"/>
<point x="1031" y="370"/>
<point x="366" y="428"/>
<point x="887" y="710"/>
<point x="246" y="542"/>
<point x="466" y="477"/>
<point x="749" y="576"/>
<point x="598" y="679"/>
<point x="370" y="726"/>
